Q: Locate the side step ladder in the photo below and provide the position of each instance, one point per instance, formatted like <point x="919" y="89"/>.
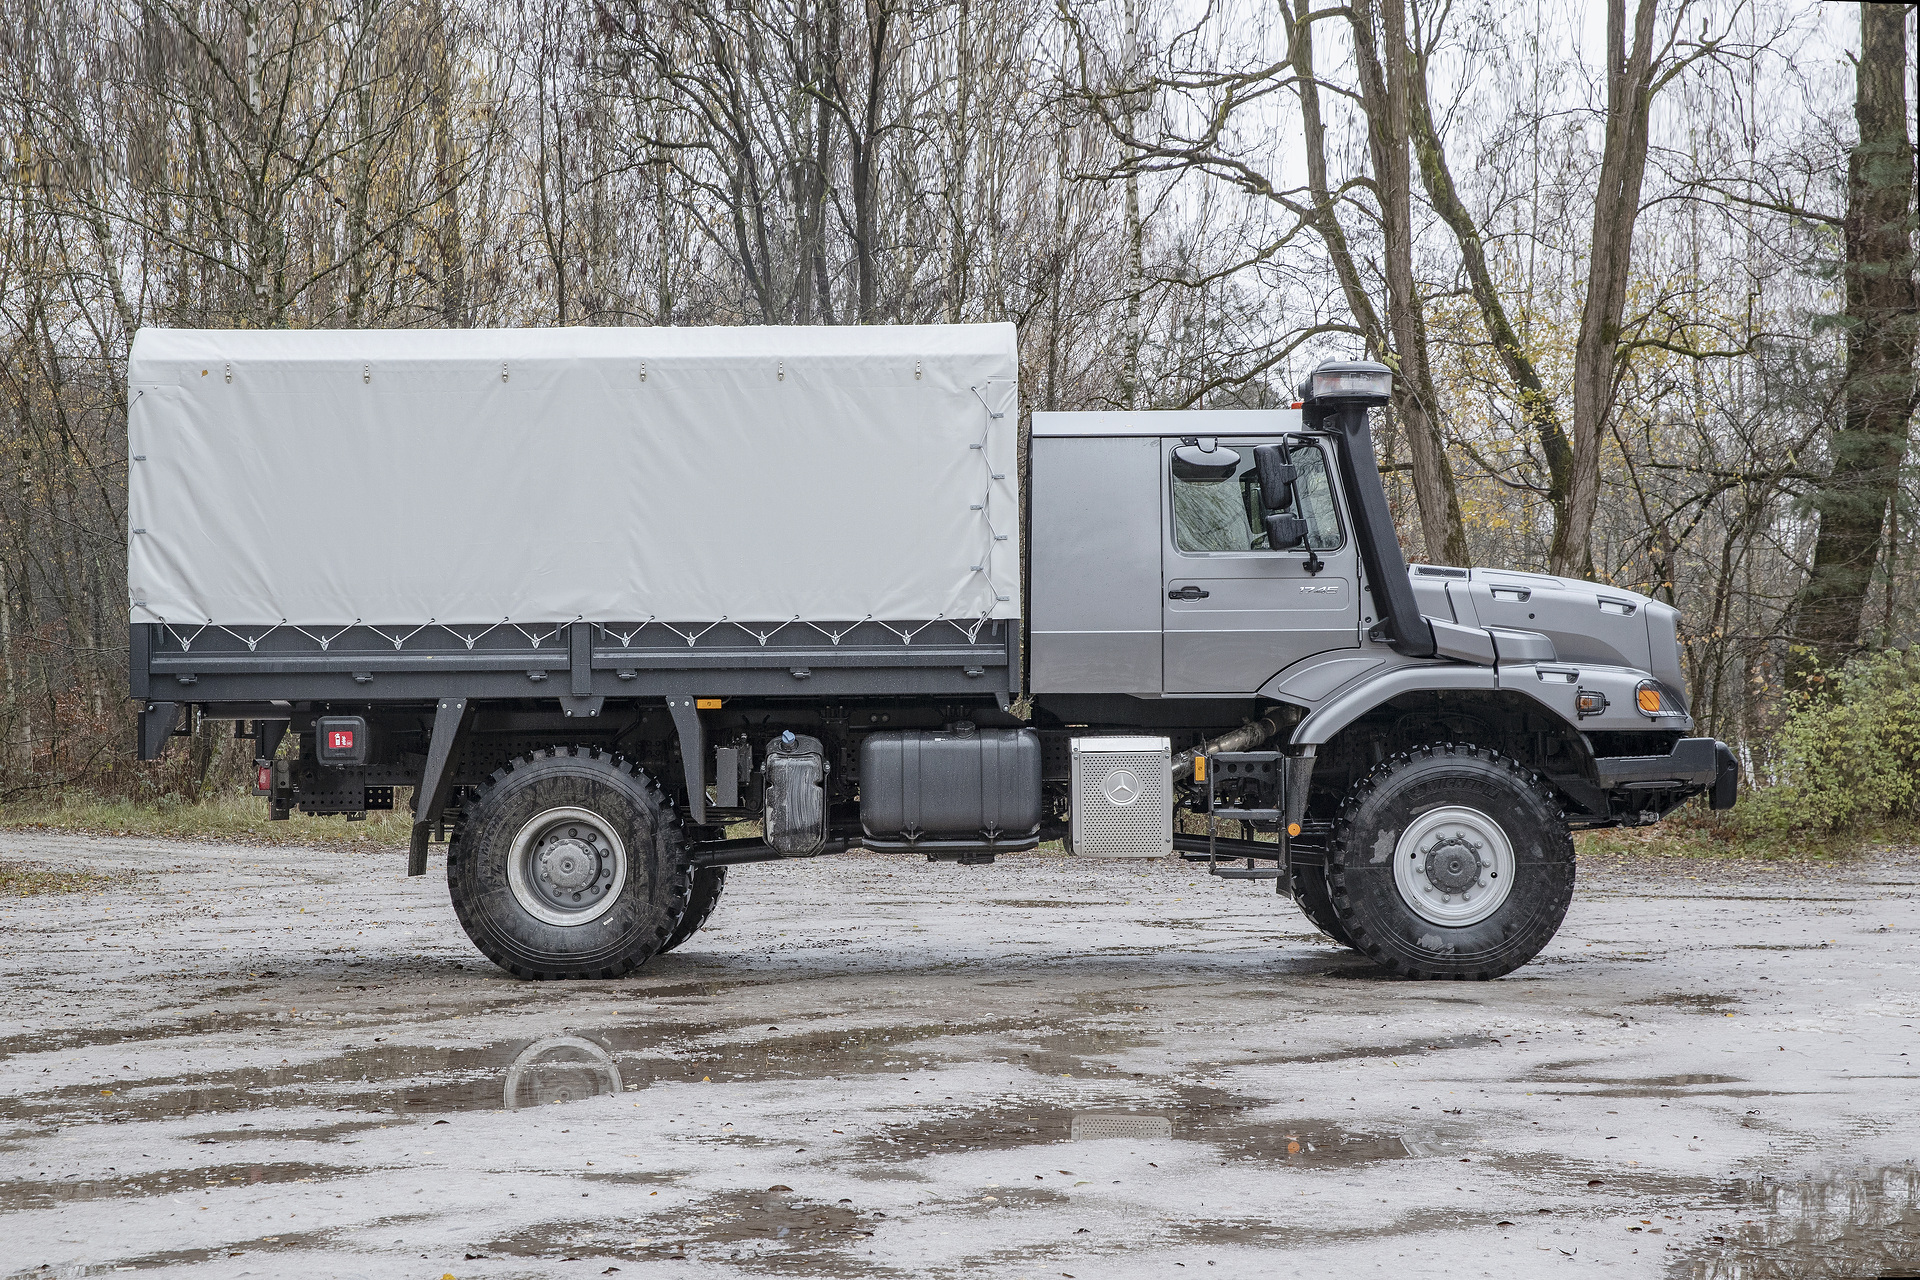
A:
<point x="1269" y="767"/>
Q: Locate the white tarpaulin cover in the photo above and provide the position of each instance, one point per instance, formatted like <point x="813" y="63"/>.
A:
<point x="541" y="475"/>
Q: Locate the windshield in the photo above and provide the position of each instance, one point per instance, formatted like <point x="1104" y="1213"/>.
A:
<point x="1225" y="515"/>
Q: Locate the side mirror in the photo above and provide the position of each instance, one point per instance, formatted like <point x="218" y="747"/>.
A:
<point x="1286" y="532"/>
<point x="1204" y="462"/>
<point x="1277" y="477"/>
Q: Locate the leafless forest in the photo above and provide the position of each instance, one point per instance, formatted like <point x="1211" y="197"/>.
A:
<point x="1645" y="270"/>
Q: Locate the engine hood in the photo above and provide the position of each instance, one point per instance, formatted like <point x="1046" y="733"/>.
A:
<point x="1587" y="621"/>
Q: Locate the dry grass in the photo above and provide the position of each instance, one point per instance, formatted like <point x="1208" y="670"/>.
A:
<point x="238" y="819"/>
<point x="1695" y="832"/>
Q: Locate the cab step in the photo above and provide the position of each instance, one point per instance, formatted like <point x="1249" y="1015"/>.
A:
<point x="1260" y="776"/>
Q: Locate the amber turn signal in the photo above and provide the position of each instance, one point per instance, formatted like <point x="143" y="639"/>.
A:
<point x="1649" y="699"/>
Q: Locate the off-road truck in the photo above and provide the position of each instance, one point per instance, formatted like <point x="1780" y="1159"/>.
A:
<point x="607" y="600"/>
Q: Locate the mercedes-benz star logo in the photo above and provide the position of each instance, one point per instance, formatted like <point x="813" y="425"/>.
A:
<point x="1121" y="787"/>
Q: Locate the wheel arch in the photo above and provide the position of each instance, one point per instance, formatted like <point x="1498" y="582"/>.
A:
<point x="1410" y="707"/>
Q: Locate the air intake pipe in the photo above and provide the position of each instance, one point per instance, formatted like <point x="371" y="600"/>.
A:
<point x="1336" y="397"/>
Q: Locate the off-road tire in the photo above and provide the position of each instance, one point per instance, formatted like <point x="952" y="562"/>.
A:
<point x="1379" y="807"/>
<point x="647" y="905"/>
<point x="708" y="884"/>
<point x="1307" y="882"/>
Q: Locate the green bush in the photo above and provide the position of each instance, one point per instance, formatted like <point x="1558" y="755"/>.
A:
<point x="1847" y="759"/>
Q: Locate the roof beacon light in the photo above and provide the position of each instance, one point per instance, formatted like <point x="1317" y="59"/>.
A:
<point x="1361" y="380"/>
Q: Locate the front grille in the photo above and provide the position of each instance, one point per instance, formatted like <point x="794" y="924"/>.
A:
<point x="1122" y="797"/>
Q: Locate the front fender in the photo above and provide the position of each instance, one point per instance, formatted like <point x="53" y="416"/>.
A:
<point x="1359" y="696"/>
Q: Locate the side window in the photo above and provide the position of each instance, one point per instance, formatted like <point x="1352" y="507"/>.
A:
<point x="1225" y="514"/>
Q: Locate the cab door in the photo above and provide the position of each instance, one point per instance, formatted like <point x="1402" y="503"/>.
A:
<point x="1235" y="613"/>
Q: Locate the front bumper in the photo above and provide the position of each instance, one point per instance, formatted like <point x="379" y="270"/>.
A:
<point x="1694" y="765"/>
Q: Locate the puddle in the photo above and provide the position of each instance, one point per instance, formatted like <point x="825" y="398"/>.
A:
<point x="1844" y="1226"/>
<point x="320" y="992"/>
<point x="1645" y="1082"/>
<point x="1689" y="1085"/>
<point x="1237" y="1128"/>
<point x="311" y="1133"/>
<point x="264" y="1245"/>
<point x="778" y="1229"/>
<point x="411" y="1079"/>
<point x="1691" y="1003"/>
<point x="1406" y="1049"/>
<point x="33" y="1193"/>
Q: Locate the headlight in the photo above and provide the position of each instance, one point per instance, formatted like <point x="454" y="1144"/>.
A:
<point x="1653" y="700"/>
<point x="1350" y="380"/>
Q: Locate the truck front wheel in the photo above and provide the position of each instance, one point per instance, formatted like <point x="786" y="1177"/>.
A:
<point x="570" y="865"/>
<point x="1450" y="861"/>
<point x="1308" y="883"/>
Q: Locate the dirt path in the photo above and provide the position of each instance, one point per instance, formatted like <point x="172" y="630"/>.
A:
<point x="241" y="1063"/>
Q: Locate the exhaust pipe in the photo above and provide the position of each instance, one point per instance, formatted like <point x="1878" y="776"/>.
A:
<point x="1245" y="738"/>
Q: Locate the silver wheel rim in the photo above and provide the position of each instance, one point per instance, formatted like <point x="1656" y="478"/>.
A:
<point x="567" y="866"/>
<point x="1453" y="866"/>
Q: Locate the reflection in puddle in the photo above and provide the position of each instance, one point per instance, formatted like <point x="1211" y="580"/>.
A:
<point x="1092" y="1126"/>
<point x="1843" y="1227"/>
<point x="560" y="1069"/>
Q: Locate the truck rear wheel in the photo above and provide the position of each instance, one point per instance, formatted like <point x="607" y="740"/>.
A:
<point x="1451" y="861"/>
<point x="708" y="883"/>
<point x="570" y="865"/>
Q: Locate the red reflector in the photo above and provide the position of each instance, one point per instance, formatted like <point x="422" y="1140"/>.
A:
<point x="264" y="775"/>
<point x="340" y="740"/>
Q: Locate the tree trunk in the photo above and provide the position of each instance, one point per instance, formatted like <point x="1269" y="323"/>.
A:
<point x="1384" y="58"/>
<point x="1325" y="220"/>
<point x="1536" y="404"/>
<point x="360" y="187"/>
<point x="958" y="184"/>
<point x="1631" y="76"/>
<point x="1871" y="440"/>
<point x="449" y="240"/>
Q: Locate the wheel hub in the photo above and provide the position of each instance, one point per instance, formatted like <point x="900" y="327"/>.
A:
<point x="567" y="866"/>
<point x="1453" y="866"/>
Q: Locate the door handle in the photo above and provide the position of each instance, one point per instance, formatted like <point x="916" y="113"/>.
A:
<point x="1188" y="592"/>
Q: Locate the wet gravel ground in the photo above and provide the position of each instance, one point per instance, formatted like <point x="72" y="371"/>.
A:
<point x="279" y="1062"/>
